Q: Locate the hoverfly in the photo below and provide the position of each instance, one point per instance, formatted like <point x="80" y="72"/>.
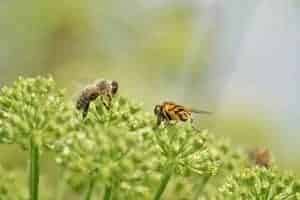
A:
<point x="170" y="111"/>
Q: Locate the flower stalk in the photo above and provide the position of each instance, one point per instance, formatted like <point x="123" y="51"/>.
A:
<point x="163" y="184"/>
<point x="90" y="189"/>
<point x="201" y="186"/>
<point x="34" y="171"/>
<point x="108" y="192"/>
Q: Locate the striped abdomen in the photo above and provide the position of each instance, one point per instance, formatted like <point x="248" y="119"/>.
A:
<point x="85" y="99"/>
<point x="172" y="111"/>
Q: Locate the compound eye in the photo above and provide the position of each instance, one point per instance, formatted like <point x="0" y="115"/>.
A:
<point x="115" y="87"/>
<point x="156" y="109"/>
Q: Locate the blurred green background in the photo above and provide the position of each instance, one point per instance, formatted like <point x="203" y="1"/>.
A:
<point x="157" y="50"/>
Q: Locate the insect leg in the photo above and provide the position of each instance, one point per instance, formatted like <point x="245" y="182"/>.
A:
<point x="109" y="97"/>
<point x="105" y="103"/>
<point x="85" y="110"/>
<point x="158" y="122"/>
<point x="193" y="126"/>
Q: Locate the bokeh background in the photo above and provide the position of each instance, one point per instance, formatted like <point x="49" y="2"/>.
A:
<point x="238" y="59"/>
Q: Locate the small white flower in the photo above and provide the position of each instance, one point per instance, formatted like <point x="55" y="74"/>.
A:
<point x="66" y="151"/>
<point x="69" y="141"/>
<point x="51" y="98"/>
<point x="81" y="136"/>
<point x="58" y="160"/>
<point x="89" y="144"/>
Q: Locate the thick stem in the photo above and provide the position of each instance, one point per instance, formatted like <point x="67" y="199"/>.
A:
<point x="34" y="171"/>
<point x="163" y="184"/>
<point x="90" y="189"/>
<point x="107" y="193"/>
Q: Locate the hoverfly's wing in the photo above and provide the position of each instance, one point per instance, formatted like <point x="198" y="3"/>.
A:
<point x="200" y="111"/>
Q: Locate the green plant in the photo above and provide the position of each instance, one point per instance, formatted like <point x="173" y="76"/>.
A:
<point x="120" y="153"/>
<point x="261" y="183"/>
<point x="104" y="146"/>
<point x="230" y="160"/>
<point x="32" y="112"/>
<point x="184" y="152"/>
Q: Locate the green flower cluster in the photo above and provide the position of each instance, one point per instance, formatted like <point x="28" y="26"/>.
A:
<point x="185" y="157"/>
<point x="121" y="153"/>
<point x="230" y="161"/>
<point x="108" y="147"/>
<point x="123" y="139"/>
<point x="184" y="150"/>
<point x="261" y="183"/>
<point x="231" y="158"/>
<point x="32" y="114"/>
<point x="32" y="108"/>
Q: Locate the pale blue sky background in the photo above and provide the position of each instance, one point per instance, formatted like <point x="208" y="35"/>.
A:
<point x="258" y="62"/>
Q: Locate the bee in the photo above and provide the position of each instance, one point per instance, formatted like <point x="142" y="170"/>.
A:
<point x="104" y="89"/>
<point x="170" y="111"/>
<point x="260" y="157"/>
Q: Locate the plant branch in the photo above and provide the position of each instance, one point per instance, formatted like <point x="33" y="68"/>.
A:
<point x="90" y="189"/>
<point x="163" y="184"/>
<point x="201" y="186"/>
<point x="107" y="193"/>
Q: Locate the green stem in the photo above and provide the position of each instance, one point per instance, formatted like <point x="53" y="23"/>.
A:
<point x="163" y="184"/>
<point x="107" y="193"/>
<point x="34" y="171"/>
<point x="89" y="192"/>
<point x="201" y="186"/>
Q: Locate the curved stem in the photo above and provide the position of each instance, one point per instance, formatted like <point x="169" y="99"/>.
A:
<point x="107" y="193"/>
<point x="163" y="184"/>
<point x="90" y="189"/>
<point x="34" y="171"/>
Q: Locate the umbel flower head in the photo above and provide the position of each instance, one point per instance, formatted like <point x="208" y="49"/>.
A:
<point x="231" y="159"/>
<point x="124" y="114"/>
<point x="32" y="108"/>
<point x="261" y="183"/>
<point x="185" y="150"/>
<point x="109" y="146"/>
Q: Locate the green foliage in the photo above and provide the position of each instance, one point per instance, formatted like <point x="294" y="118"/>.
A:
<point x="261" y="183"/>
